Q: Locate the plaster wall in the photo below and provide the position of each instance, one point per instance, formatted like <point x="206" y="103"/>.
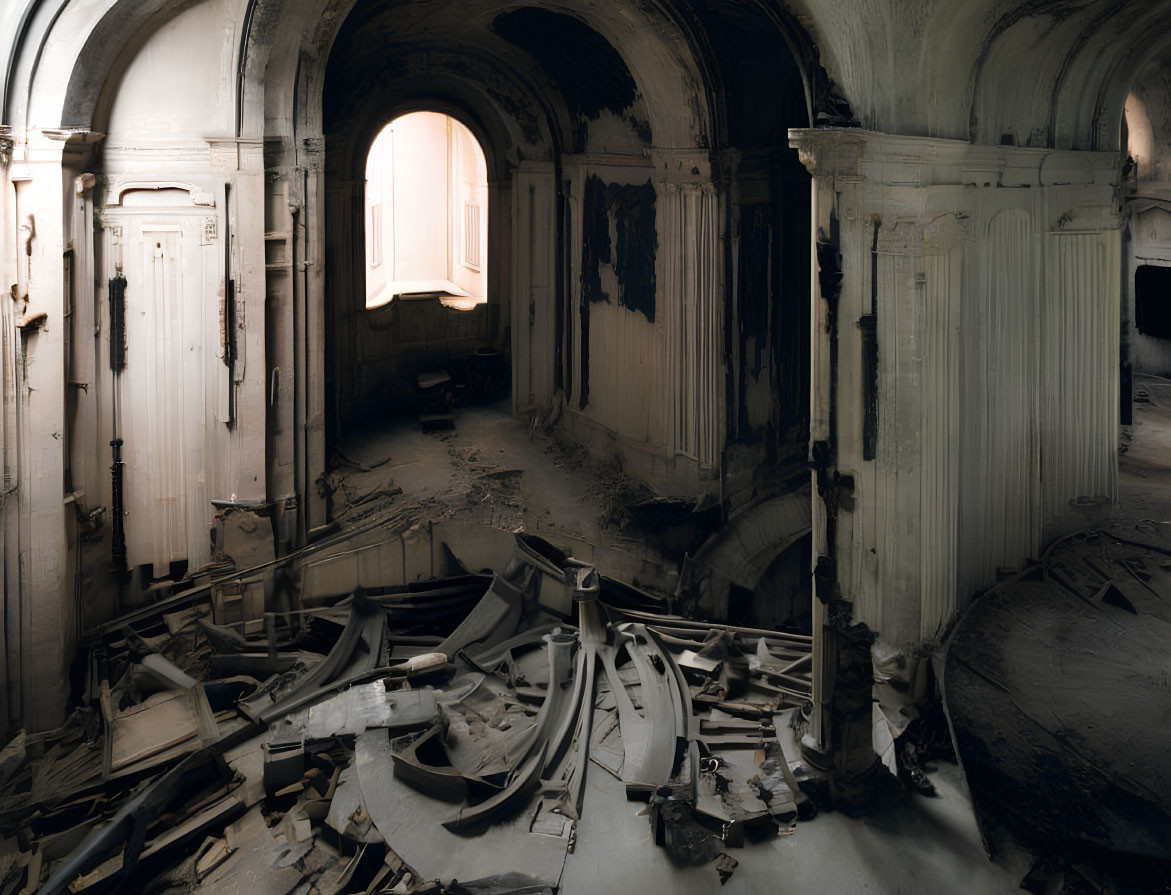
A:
<point x="10" y="515"/>
<point x="379" y="200"/>
<point x="179" y="85"/>
<point x="193" y="426"/>
<point x="40" y="618"/>
<point x="533" y="319"/>
<point x="421" y="200"/>
<point x="645" y="377"/>
<point x="1038" y="74"/>
<point x="1148" y="127"/>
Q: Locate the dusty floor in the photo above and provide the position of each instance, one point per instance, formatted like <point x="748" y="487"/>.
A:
<point x="922" y="845"/>
<point x="490" y="468"/>
<point x="1144" y="471"/>
<point x="515" y="475"/>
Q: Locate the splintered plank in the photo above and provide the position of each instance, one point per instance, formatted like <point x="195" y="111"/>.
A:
<point x="162" y="721"/>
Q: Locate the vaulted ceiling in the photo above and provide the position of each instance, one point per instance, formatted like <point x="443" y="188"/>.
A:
<point x="1027" y="72"/>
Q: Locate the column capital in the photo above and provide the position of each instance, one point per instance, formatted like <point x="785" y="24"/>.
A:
<point x="829" y="152"/>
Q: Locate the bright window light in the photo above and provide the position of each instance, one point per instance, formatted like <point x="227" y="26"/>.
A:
<point x="426" y="212"/>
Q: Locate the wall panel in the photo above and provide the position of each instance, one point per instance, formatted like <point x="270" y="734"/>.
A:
<point x="690" y="234"/>
<point x="534" y="332"/>
<point x="1079" y="351"/>
<point x="940" y="446"/>
<point x="167" y="393"/>
<point x="1000" y="483"/>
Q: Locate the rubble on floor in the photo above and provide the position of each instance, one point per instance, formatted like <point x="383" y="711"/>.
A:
<point x="431" y="736"/>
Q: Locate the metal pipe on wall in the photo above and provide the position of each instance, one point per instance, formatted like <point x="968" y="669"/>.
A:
<point x="299" y="284"/>
<point x="229" y="309"/>
<point x="117" y="291"/>
<point x="301" y="380"/>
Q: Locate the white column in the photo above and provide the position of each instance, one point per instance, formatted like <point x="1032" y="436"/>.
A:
<point x="534" y="289"/>
<point x="45" y="632"/>
<point x="993" y="277"/>
<point x="693" y="308"/>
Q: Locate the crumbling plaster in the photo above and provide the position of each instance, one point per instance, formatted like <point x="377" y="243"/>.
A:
<point x="613" y="147"/>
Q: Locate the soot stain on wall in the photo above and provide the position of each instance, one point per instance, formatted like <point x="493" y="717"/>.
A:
<point x="628" y="212"/>
<point x="754" y="299"/>
<point x="631" y="210"/>
<point x="591" y="75"/>
<point x="771" y="309"/>
<point x="596" y="249"/>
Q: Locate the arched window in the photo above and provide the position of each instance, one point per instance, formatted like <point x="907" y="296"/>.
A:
<point x="426" y="212"/>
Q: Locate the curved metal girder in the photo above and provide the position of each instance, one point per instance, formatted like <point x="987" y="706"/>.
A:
<point x="649" y="738"/>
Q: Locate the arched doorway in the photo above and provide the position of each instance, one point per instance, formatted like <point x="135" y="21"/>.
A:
<point x="426" y="321"/>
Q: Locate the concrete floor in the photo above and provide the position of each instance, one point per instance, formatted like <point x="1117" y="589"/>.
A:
<point x="918" y="844"/>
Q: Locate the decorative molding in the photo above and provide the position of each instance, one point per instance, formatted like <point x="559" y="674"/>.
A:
<point x="682" y="165"/>
<point x="199" y="197"/>
<point x="229" y="154"/>
<point x="76" y="134"/>
<point x="929" y="161"/>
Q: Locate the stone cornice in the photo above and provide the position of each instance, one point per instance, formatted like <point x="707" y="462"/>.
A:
<point x="928" y="161"/>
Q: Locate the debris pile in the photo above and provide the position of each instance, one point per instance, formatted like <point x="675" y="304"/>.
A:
<point x="404" y="738"/>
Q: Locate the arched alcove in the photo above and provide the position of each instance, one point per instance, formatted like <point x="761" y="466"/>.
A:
<point x="536" y="120"/>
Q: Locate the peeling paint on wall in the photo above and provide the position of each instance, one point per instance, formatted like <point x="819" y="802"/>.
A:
<point x="619" y="247"/>
<point x="620" y="231"/>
